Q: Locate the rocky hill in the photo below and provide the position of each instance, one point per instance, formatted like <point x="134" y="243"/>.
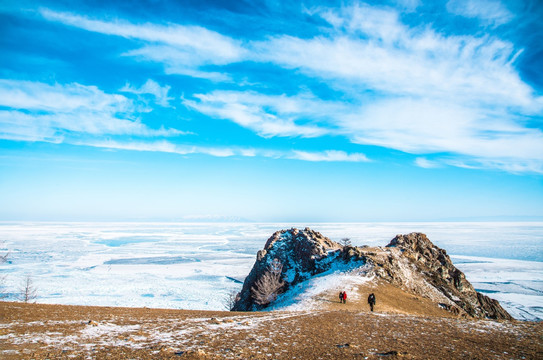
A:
<point x="409" y="262"/>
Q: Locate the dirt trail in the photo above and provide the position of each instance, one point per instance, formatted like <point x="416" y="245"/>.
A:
<point x="390" y="300"/>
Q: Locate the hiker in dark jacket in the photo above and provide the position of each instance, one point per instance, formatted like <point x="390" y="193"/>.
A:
<point x="371" y="301"/>
<point x="341" y="296"/>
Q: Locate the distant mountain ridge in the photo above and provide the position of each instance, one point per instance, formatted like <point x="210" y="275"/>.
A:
<point x="410" y="262"/>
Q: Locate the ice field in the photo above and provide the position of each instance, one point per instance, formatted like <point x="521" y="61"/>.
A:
<point x="196" y="265"/>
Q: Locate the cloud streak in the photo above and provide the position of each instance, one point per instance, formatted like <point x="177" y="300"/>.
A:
<point x="40" y="111"/>
<point x="329" y="155"/>
<point x="267" y="115"/>
<point x="489" y="12"/>
<point x="430" y="93"/>
<point x="370" y="48"/>
<point x="181" y="49"/>
<point x="181" y="149"/>
<point x="151" y="87"/>
<point x="85" y="115"/>
<point x="417" y="126"/>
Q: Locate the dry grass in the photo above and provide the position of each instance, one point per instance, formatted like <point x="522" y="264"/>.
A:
<point x="35" y="331"/>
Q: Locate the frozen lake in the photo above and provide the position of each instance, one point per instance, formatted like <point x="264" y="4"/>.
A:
<point x="195" y="265"/>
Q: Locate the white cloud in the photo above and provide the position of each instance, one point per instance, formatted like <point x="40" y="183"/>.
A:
<point x="39" y="111"/>
<point x="329" y="155"/>
<point x="431" y="93"/>
<point x="408" y="5"/>
<point x="153" y="146"/>
<point x="161" y="146"/>
<point x="182" y="49"/>
<point x="425" y="163"/>
<point x="175" y="61"/>
<point x="267" y="115"/>
<point x="489" y="12"/>
<point x="151" y="87"/>
<point x="371" y="49"/>
<point x="169" y="147"/>
<point x="18" y="126"/>
<point x="517" y="166"/>
<point x="29" y="95"/>
<point x="83" y="115"/>
<point x="415" y="126"/>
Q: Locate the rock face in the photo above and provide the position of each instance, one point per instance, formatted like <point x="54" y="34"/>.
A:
<point x="301" y="254"/>
<point x="415" y="263"/>
<point x="410" y="262"/>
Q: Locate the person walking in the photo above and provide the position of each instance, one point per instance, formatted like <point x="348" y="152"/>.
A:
<point x="371" y="301"/>
<point x="345" y="297"/>
<point x="340" y="297"/>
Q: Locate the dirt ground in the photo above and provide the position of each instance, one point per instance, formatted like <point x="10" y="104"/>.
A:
<point x="390" y="299"/>
<point x="36" y="331"/>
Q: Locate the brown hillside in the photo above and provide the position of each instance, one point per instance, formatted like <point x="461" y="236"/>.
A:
<point x="35" y="331"/>
<point x="390" y="300"/>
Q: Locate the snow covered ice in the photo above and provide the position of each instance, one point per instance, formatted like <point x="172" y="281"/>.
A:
<point x="195" y="265"/>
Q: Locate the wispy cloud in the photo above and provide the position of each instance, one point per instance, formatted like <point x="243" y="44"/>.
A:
<point x="330" y="155"/>
<point x="267" y="115"/>
<point x="371" y="49"/>
<point x="84" y="115"/>
<point x="515" y="167"/>
<point x="425" y="163"/>
<point x="418" y="126"/>
<point x="180" y="61"/>
<point x="424" y="126"/>
<point x="408" y="5"/>
<point x="182" y="49"/>
<point x="182" y="149"/>
<point x="151" y="87"/>
<point x="40" y="111"/>
<point x="430" y="93"/>
<point x="31" y="95"/>
<point x="489" y="12"/>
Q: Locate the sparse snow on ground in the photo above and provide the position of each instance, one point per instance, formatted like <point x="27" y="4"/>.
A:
<point x="167" y="332"/>
<point x="251" y="335"/>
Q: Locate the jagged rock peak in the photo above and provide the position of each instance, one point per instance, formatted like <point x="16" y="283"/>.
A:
<point x="413" y="241"/>
<point x="309" y="239"/>
<point x="421" y="247"/>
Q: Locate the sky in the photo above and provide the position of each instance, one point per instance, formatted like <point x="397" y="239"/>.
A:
<point x="347" y="111"/>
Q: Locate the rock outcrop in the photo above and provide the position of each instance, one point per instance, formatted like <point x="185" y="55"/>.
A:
<point x="410" y="262"/>
<point x="297" y="255"/>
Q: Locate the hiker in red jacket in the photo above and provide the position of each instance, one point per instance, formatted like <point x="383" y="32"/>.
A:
<point x="345" y="297"/>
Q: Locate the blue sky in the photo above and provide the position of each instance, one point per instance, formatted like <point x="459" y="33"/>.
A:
<point x="400" y="110"/>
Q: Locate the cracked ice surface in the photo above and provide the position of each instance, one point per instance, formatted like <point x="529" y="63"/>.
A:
<point x="195" y="265"/>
